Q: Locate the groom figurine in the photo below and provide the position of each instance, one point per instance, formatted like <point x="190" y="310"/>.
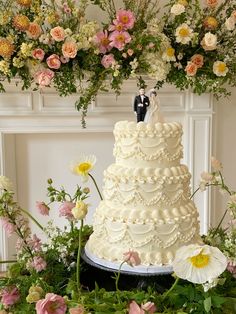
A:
<point x="141" y="102"/>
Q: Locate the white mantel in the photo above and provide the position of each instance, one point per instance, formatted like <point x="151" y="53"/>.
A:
<point x="38" y="130"/>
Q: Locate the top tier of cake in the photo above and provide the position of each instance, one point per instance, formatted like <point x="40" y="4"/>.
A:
<point x="139" y="145"/>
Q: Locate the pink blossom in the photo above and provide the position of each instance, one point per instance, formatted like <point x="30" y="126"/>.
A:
<point x="8" y="226"/>
<point x="38" y="53"/>
<point x="52" y="304"/>
<point x="44" y="77"/>
<point x="191" y="69"/>
<point x="108" y="60"/>
<point x="64" y="59"/>
<point x="38" y="263"/>
<point x="77" y="310"/>
<point x="126" y="17"/>
<point x="206" y="176"/>
<point x="9" y="296"/>
<point x="53" y="61"/>
<point x="231" y="267"/>
<point x="66" y="8"/>
<point x="198" y="60"/>
<point x="102" y="41"/>
<point x="42" y="208"/>
<point x="134" y="308"/>
<point x="35" y="243"/>
<point x="116" y="26"/>
<point x="69" y="49"/>
<point x="149" y="307"/>
<point x="58" y="33"/>
<point x="130" y="52"/>
<point x="65" y="210"/>
<point x="119" y="39"/>
<point x="132" y="258"/>
<point x="216" y="164"/>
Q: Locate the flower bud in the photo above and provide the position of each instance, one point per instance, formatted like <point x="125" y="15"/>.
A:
<point x="33" y="297"/>
<point x="80" y="210"/>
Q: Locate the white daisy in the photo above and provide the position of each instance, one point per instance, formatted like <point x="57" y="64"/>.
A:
<point x="183" y="34"/>
<point x="220" y="68"/>
<point x="83" y="165"/>
<point x="169" y="54"/>
<point x="199" y="263"/>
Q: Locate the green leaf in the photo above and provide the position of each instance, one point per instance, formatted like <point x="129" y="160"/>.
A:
<point x="207" y="304"/>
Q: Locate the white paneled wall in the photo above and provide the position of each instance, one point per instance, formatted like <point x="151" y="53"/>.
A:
<point x="40" y="134"/>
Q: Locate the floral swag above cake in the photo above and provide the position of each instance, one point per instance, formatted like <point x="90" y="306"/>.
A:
<point x="48" y="43"/>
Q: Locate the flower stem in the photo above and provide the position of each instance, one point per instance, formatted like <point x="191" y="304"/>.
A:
<point x="118" y="276"/>
<point x="32" y="218"/>
<point x="171" y="288"/>
<point x="95" y="183"/>
<point x="78" y="257"/>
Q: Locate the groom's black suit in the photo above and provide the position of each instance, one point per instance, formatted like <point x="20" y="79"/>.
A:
<point x="140" y="106"/>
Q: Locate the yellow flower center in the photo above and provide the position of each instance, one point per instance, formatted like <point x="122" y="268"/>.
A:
<point x="170" y="52"/>
<point x="120" y="38"/>
<point x="125" y="19"/>
<point x="200" y="260"/>
<point x="183" y="2"/>
<point x="184" y="32"/>
<point x="83" y="168"/>
<point x="221" y="67"/>
<point x="105" y="41"/>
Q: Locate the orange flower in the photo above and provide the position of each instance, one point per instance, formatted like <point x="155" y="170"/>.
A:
<point x="24" y="3"/>
<point x="21" y="22"/>
<point x="210" y="22"/>
<point x="6" y="48"/>
<point x="191" y="69"/>
<point x="34" y="30"/>
<point x="198" y="60"/>
<point x="212" y="3"/>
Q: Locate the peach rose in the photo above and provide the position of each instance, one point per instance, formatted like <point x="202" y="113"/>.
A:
<point x="198" y="60"/>
<point x="58" y="33"/>
<point x="38" y="53"/>
<point x="212" y="3"/>
<point x="44" y="77"/>
<point x="69" y="49"/>
<point x="53" y="61"/>
<point x="209" y="42"/>
<point x="191" y="69"/>
<point x="77" y="310"/>
<point x="34" y="31"/>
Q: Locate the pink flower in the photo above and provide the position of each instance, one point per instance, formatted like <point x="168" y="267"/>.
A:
<point x="132" y="258"/>
<point x="191" y="69"/>
<point x="134" y="308"/>
<point x="126" y="17"/>
<point x="9" y="296"/>
<point x="231" y="267"/>
<point x="119" y="39"/>
<point x="53" y="61"/>
<point x="116" y="26"/>
<point x="44" y="77"/>
<point x="34" y="30"/>
<point x="42" y="208"/>
<point x="69" y="49"/>
<point x="77" y="310"/>
<point x="108" y="60"/>
<point x="64" y="60"/>
<point x="212" y="3"/>
<point x="149" y="307"/>
<point x="38" y="263"/>
<point x="101" y="39"/>
<point x="216" y="164"/>
<point x="58" y="33"/>
<point x="66" y="8"/>
<point x="206" y="176"/>
<point x="198" y="60"/>
<point x="38" y="53"/>
<point x="35" y="243"/>
<point x="52" y="304"/>
<point x="8" y="226"/>
<point x="65" y="210"/>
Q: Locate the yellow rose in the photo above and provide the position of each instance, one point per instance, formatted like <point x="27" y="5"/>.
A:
<point x="80" y="210"/>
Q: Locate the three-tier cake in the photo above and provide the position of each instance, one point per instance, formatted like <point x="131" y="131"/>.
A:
<point x="146" y="206"/>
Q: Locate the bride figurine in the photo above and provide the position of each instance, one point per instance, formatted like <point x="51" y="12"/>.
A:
<point x="153" y="114"/>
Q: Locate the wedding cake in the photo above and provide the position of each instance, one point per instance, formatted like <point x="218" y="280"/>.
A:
<point x="146" y="206"/>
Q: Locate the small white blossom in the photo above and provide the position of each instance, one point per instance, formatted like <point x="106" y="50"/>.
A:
<point x="177" y="9"/>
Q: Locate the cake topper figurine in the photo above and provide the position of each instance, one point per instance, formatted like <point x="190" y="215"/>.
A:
<point x="141" y="102"/>
<point x="153" y="114"/>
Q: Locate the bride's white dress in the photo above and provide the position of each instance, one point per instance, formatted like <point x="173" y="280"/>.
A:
<point x="153" y="114"/>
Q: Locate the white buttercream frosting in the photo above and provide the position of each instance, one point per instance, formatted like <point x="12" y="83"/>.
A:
<point x="146" y="204"/>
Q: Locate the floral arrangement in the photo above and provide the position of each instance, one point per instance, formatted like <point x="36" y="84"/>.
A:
<point x="46" y="278"/>
<point x="51" y="43"/>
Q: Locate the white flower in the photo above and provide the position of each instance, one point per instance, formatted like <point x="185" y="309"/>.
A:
<point x="209" y="41"/>
<point x="230" y="23"/>
<point x="210" y="284"/>
<point x="216" y="164"/>
<point x="199" y="263"/>
<point x="169" y="54"/>
<point x="177" y="9"/>
<point x="183" y="34"/>
<point x="220" y="68"/>
<point x="206" y="176"/>
<point x="5" y="184"/>
<point x="83" y="165"/>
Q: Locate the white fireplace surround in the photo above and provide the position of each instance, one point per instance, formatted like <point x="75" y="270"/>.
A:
<point x="29" y="120"/>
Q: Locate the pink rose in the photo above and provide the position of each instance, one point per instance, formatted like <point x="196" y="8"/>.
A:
<point x="149" y="307"/>
<point x="58" y="33"/>
<point x="77" y="310"/>
<point x="108" y="60"/>
<point x="69" y="49"/>
<point x="191" y="69"/>
<point x="9" y="296"/>
<point x="8" y="226"/>
<point x="38" y="263"/>
<point x="65" y="210"/>
<point x="132" y="258"/>
<point x="53" y="61"/>
<point x="52" y="304"/>
<point x="216" y="164"/>
<point x="38" y="53"/>
<point x="44" y="77"/>
<point x="42" y="208"/>
<point x="198" y="60"/>
<point x="34" y="30"/>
